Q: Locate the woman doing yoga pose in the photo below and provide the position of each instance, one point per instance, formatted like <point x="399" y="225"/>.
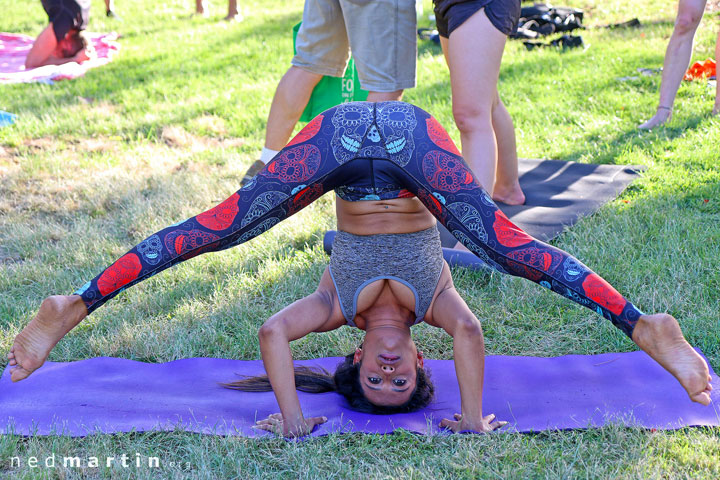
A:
<point x="63" y="39"/>
<point x="393" y="168"/>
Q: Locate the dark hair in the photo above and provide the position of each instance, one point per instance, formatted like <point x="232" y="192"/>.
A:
<point x="345" y="381"/>
<point x="75" y="41"/>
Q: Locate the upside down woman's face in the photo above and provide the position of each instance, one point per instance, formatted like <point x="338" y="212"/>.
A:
<point x="388" y="368"/>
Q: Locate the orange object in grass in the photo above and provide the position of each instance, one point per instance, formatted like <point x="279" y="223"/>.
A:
<point x="697" y="70"/>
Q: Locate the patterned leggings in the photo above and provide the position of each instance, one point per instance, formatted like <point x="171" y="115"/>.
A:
<point x="371" y="147"/>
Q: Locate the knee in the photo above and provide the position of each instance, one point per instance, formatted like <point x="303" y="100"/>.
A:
<point x="472" y="118"/>
<point x="687" y="21"/>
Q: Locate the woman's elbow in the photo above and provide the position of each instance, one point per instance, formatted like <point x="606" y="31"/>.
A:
<point x="469" y="327"/>
<point x="271" y="330"/>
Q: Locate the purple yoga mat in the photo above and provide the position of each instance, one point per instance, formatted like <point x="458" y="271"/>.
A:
<point x="533" y="394"/>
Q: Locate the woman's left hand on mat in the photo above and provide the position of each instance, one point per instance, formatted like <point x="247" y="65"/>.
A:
<point x="463" y="424"/>
<point x="275" y="423"/>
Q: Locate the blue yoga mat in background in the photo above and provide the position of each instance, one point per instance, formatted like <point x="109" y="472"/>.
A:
<point x="7" y="118"/>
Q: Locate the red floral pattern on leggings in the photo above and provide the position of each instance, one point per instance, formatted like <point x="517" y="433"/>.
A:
<point x="297" y="164"/>
<point x="305" y="197"/>
<point x="310" y="130"/>
<point x="221" y="216"/>
<point x="123" y="271"/>
<point x="183" y="241"/>
<point x="440" y="137"/>
<point x="602" y="293"/>
<point x="447" y="173"/>
<point x="541" y="259"/>
<point x="509" y="234"/>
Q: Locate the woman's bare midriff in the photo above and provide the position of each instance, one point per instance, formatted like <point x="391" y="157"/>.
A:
<point x="374" y="217"/>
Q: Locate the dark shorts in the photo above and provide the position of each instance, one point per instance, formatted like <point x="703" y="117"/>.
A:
<point x="503" y="14"/>
<point x="66" y="15"/>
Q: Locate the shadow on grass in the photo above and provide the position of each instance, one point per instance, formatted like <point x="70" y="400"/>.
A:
<point x="607" y="151"/>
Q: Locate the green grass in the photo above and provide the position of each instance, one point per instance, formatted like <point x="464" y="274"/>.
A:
<point x="95" y="164"/>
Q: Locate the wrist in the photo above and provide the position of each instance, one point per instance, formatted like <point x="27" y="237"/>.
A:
<point x="472" y="414"/>
<point x="294" y="418"/>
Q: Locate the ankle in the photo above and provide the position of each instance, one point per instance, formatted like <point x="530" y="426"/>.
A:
<point x="652" y="328"/>
<point x="507" y="186"/>
<point x="267" y="154"/>
<point x="77" y="307"/>
<point x="664" y="111"/>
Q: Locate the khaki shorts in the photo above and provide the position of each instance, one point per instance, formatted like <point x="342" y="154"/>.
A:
<point x="381" y="34"/>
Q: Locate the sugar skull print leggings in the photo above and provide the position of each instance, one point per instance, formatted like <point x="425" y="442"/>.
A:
<point x="370" y="147"/>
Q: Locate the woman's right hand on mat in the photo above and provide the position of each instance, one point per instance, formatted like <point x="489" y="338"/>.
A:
<point x="275" y="423"/>
<point x="464" y="424"/>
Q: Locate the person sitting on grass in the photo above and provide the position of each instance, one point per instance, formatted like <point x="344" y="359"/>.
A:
<point x="63" y="39"/>
<point x="395" y="171"/>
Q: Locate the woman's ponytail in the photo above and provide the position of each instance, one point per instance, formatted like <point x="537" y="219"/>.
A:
<point x="307" y="379"/>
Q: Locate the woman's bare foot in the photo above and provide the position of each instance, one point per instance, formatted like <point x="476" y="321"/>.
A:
<point x="660" y="337"/>
<point x="662" y="115"/>
<point x="512" y="195"/>
<point x="56" y="317"/>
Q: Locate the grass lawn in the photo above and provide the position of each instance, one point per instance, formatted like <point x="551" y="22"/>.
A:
<point x="96" y="164"/>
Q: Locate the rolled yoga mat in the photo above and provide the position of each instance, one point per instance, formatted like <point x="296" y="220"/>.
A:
<point x="106" y="395"/>
<point x="557" y="195"/>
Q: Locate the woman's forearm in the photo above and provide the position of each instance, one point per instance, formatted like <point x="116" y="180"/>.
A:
<point x="277" y="358"/>
<point x="469" y="353"/>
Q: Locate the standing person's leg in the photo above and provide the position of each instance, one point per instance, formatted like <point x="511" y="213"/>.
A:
<point x="109" y="8"/>
<point x="233" y="13"/>
<point x="473" y="81"/>
<point x="677" y="58"/>
<point x="383" y="41"/>
<point x="291" y="98"/>
<point x="447" y="187"/>
<point x="322" y="48"/>
<point x="486" y="129"/>
<point x="298" y="175"/>
<point x="200" y="7"/>
<point x="507" y="187"/>
<point x="507" y="183"/>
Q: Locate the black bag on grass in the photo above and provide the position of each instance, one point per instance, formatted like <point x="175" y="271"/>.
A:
<point x="541" y="19"/>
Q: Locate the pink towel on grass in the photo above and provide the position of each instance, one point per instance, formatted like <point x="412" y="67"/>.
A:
<point x="15" y="47"/>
